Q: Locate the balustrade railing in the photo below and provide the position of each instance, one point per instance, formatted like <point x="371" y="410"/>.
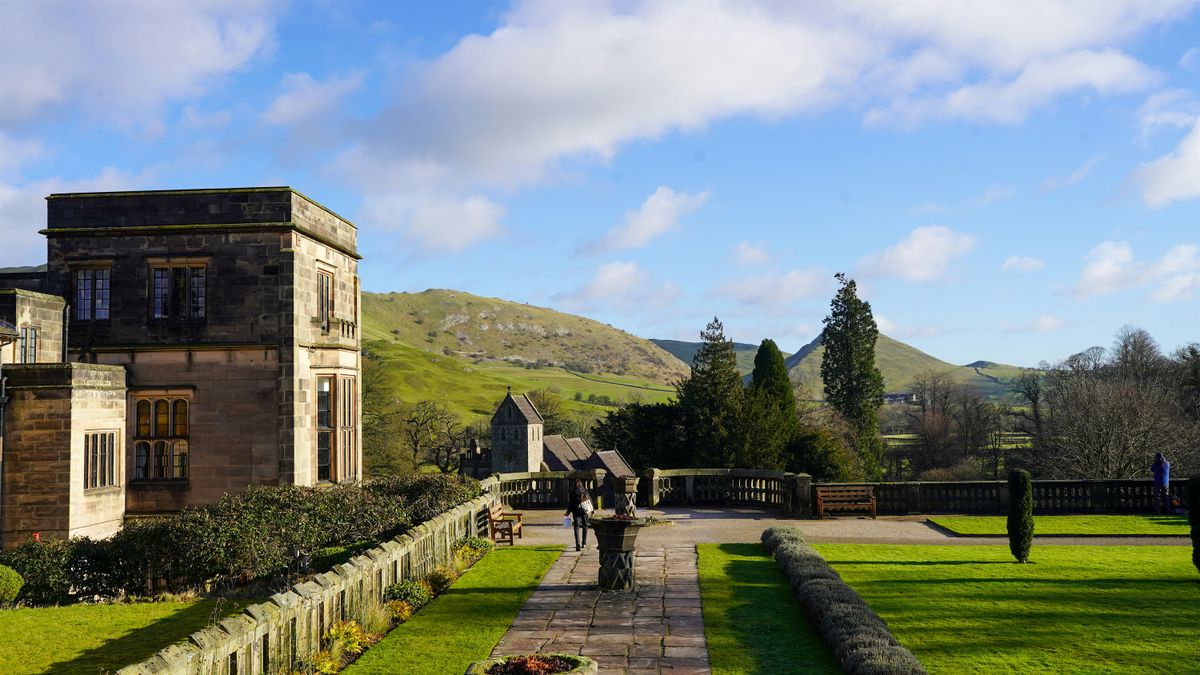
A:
<point x="541" y="489"/>
<point x="731" y="487"/>
<point x="991" y="497"/>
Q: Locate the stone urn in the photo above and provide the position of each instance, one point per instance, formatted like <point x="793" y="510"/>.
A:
<point x="625" y="496"/>
<point x="584" y="665"/>
<point x="616" y="538"/>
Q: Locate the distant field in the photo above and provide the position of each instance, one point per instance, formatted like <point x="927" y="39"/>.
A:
<point x="473" y="390"/>
<point x="1066" y="525"/>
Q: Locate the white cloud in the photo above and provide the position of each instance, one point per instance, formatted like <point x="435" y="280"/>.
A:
<point x="1177" y="274"/>
<point x="437" y="223"/>
<point x="895" y="330"/>
<point x="1046" y="323"/>
<point x="659" y="214"/>
<point x="1011" y="101"/>
<point x="304" y="99"/>
<point x="1170" y="109"/>
<point x="778" y="289"/>
<point x="996" y="192"/>
<point x="1175" y="176"/>
<point x="205" y="121"/>
<point x="752" y="254"/>
<point x="122" y="61"/>
<point x="1059" y="182"/>
<point x="562" y="82"/>
<point x="1022" y="263"/>
<point x="922" y="256"/>
<point x="620" y="285"/>
<point x="1190" y="59"/>
<point x="15" y="152"/>
<point x="1111" y="267"/>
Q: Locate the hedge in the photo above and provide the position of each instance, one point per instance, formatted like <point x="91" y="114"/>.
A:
<point x="1020" y="514"/>
<point x="263" y="534"/>
<point x="856" y="635"/>
<point x="10" y="585"/>
<point x="1193" y="504"/>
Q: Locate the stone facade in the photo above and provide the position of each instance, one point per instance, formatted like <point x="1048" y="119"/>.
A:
<point x="38" y="319"/>
<point x="516" y="436"/>
<point x="54" y="413"/>
<point x="233" y="317"/>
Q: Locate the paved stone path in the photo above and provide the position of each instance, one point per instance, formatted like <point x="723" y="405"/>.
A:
<point x="656" y="629"/>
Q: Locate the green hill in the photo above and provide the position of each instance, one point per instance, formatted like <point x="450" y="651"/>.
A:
<point x="684" y="351"/>
<point x="900" y="364"/>
<point x="464" y="350"/>
<point x="483" y="330"/>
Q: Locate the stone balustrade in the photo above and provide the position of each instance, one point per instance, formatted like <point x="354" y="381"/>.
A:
<point x="788" y="492"/>
<point x="542" y="489"/>
<point x="990" y="497"/>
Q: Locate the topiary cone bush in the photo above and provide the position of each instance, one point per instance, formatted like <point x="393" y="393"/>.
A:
<point x="1193" y="501"/>
<point x="1020" y="514"/>
<point x="10" y="585"/>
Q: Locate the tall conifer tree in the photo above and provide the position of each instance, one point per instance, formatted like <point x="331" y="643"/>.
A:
<point x="710" y="401"/>
<point x="853" y="385"/>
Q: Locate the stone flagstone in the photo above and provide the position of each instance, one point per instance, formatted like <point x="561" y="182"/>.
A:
<point x="656" y="629"/>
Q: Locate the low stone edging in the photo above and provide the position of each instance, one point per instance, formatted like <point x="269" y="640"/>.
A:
<point x="857" y="636"/>
<point x="269" y="637"/>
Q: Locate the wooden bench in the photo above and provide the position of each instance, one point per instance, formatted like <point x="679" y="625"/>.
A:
<point x="841" y="498"/>
<point x="503" y="525"/>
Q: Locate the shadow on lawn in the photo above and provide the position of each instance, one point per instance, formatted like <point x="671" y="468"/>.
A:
<point x="141" y="644"/>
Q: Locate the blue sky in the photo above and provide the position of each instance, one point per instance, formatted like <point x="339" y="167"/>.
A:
<point x="1007" y="181"/>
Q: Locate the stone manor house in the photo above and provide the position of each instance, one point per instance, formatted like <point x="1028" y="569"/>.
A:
<point x="177" y="345"/>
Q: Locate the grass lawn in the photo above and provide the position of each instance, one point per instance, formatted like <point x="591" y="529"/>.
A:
<point x="1096" y="609"/>
<point x="99" y="638"/>
<point x="464" y="623"/>
<point x="752" y="621"/>
<point x="1086" y="525"/>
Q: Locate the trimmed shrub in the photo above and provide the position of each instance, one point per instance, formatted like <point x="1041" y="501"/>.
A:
<point x="400" y="610"/>
<point x="1193" y="502"/>
<point x="10" y="585"/>
<point x="416" y="593"/>
<point x="1020" y="514"/>
<point x="44" y="567"/>
<point x="857" y="636"/>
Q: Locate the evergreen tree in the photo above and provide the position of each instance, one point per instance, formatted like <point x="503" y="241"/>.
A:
<point x="710" y="402"/>
<point x="1193" y="505"/>
<point x="853" y="385"/>
<point x="1020" y="514"/>
<point x="770" y="376"/>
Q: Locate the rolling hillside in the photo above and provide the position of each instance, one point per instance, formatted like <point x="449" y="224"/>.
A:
<point x="488" y="330"/>
<point x="901" y="364"/>
<point x="684" y="351"/>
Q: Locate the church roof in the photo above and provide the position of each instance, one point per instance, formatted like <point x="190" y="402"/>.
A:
<point x="573" y="454"/>
<point x="526" y="412"/>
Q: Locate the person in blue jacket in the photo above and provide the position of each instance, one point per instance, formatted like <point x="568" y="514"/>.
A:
<point x="1161" y="469"/>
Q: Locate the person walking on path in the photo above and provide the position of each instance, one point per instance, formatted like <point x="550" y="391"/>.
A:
<point x="580" y="509"/>
<point x="1161" y="469"/>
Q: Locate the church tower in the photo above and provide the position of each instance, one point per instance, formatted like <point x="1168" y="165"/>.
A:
<point x="516" y="435"/>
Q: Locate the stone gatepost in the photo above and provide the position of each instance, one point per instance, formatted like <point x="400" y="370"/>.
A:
<point x="625" y="496"/>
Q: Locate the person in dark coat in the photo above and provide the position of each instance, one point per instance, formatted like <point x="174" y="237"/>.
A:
<point x="580" y="509"/>
<point x="1161" y="469"/>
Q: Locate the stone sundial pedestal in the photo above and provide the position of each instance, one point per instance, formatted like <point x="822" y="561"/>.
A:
<point x="616" y="537"/>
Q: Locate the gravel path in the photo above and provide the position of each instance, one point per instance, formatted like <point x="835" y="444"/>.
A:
<point x="735" y="525"/>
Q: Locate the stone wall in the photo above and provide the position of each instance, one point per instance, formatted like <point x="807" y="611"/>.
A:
<point x="275" y="635"/>
<point x="29" y="309"/>
<point x="50" y="409"/>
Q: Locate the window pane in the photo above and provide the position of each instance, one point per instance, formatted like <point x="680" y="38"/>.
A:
<point x="160" y="459"/>
<point x="324" y="440"/>
<point x="32" y="345"/>
<point x="83" y="294"/>
<point x="94" y="455"/>
<point x="162" y="290"/>
<point x="198" y="293"/>
<point x="102" y="294"/>
<point x="143" y="419"/>
<point x="141" y="453"/>
<point x="162" y="419"/>
<point x="181" y="421"/>
<point x="324" y="402"/>
<point x="180" y="469"/>
<point x="111" y="474"/>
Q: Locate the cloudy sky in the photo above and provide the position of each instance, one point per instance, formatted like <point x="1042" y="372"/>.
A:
<point x="1009" y="181"/>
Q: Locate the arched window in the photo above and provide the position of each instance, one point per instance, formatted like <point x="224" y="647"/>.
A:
<point x="160" y="442"/>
